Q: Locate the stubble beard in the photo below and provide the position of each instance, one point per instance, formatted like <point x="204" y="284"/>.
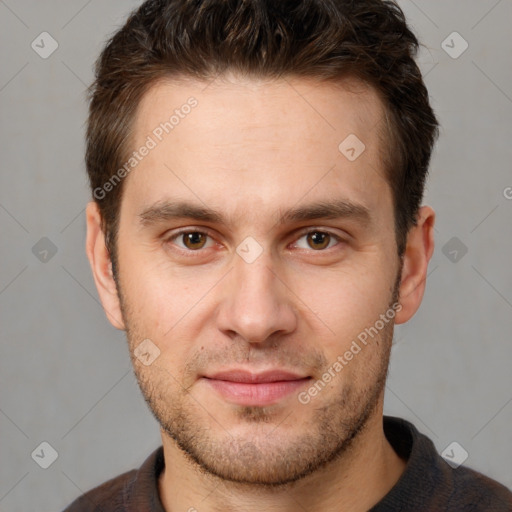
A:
<point x="278" y="458"/>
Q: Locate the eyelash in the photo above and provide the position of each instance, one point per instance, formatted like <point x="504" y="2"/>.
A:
<point x="189" y="252"/>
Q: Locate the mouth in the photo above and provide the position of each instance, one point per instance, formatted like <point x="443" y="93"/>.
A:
<point x="255" y="389"/>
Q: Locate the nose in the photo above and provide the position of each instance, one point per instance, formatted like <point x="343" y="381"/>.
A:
<point x="256" y="303"/>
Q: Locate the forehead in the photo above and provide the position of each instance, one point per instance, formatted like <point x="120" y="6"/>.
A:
<point x="246" y="144"/>
<point x="251" y="106"/>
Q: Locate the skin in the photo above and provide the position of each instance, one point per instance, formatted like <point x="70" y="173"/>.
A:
<point x="254" y="149"/>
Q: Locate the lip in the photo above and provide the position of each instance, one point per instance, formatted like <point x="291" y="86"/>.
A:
<point x="244" y="376"/>
<point x="257" y="389"/>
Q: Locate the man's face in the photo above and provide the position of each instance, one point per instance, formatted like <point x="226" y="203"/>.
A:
<point x="258" y="289"/>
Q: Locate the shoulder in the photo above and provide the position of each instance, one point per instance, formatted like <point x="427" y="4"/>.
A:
<point x="478" y="492"/>
<point x="110" y="495"/>
<point x="429" y="482"/>
<point x="129" y="492"/>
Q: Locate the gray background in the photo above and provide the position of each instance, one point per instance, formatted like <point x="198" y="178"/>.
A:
<point x="65" y="374"/>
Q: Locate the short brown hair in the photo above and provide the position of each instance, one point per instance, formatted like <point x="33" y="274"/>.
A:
<point x="323" y="39"/>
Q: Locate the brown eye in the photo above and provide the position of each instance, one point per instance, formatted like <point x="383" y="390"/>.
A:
<point x="194" y="240"/>
<point x="318" y="240"/>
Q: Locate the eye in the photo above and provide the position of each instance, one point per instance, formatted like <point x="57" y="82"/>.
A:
<point x="195" y="240"/>
<point x="191" y="240"/>
<point x="318" y="240"/>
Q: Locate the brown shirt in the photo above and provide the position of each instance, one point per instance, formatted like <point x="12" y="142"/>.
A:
<point x="427" y="484"/>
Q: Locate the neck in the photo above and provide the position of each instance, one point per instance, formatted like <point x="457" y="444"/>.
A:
<point x="354" y="482"/>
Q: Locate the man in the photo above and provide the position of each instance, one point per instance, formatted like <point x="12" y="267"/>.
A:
<point x="257" y="171"/>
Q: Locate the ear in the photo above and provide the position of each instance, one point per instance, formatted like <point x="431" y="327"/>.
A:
<point x="418" y="251"/>
<point x="101" y="266"/>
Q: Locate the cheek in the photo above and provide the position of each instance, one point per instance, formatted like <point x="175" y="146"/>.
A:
<point x="171" y="311"/>
<point x="345" y="301"/>
<point x="158" y="296"/>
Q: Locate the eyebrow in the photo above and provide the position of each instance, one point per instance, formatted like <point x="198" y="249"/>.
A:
<point x="166" y="210"/>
